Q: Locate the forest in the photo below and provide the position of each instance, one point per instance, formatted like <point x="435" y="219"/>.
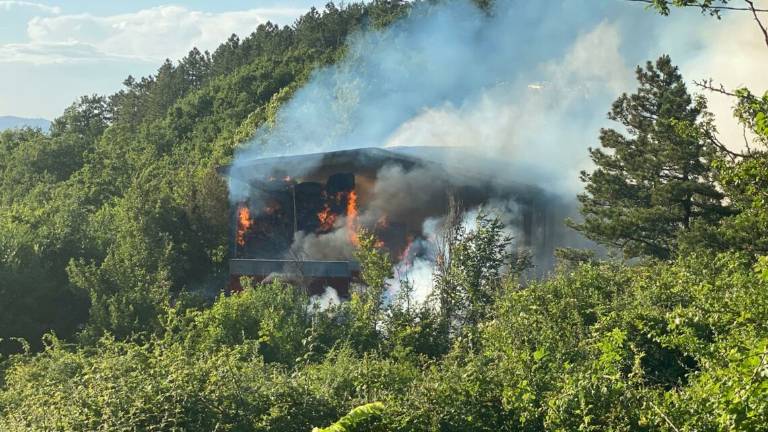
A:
<point x="115" y="221"/>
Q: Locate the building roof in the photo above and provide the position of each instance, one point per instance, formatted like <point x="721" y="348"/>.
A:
<point x="297" y="165"/>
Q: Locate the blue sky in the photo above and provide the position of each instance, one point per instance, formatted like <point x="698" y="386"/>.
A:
<point x="51" y="52"/>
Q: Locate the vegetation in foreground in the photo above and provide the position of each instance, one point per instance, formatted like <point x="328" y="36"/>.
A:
<point x="118" y="211"/>
<point x="598" y="346"/>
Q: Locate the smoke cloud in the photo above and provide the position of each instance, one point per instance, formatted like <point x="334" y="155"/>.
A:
<point x="523" y="91"/>
<point x="324" y="301"/>
<point x="450" y="75"/>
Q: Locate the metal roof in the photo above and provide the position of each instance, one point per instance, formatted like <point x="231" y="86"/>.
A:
<point x="296" y="165"/>
<point x="309" y="268"/>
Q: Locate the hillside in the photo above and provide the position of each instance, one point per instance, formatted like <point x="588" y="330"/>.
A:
<point x="11" y="122"/>
<point x="136" y="171"/>
<point x="115" y="224"/>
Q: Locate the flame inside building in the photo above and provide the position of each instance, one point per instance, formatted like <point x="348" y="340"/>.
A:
<point x="298" y="216"/>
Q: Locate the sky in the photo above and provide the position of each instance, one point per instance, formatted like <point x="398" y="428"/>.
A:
<point x="53" y="51"/>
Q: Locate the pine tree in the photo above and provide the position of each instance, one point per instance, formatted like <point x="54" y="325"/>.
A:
<point x="655" y="180"/>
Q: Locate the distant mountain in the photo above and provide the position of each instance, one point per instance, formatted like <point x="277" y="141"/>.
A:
<point x="11" y="122"/>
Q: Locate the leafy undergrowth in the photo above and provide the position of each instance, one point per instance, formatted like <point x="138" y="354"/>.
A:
<point x="660" y="346"/>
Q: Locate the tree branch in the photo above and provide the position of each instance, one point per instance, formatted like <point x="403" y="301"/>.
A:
<point x="707" y="85"/>
<point x="746" y="140"/>
<point x="715" y="8"/>
<point x="664" y="416"/>
<point x="720" y="146"/>
<point x="757" y="19"/>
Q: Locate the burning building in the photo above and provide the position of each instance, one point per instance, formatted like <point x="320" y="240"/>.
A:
<point x="298" y="216"/>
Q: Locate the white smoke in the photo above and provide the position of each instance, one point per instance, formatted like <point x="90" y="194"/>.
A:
<point x="733" y="53"/>
<point x="334" y="245"/>
<point x="326" y="300"/>
<point x="414" y="271"/>
<point x="418" y="275"/>
<point x="527" y="87"/>
<point x="540" y="127"/>
<point x="450" y="75"/>
<point x="530" y="84"/>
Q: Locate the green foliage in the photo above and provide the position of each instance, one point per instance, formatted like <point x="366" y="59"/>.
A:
<point x="469" y="275"/>
<point x="743" y="175"/>
<point x="358" y="420"/>
<point x="711" y="7"/>
<point x="653" y="185"/>
<point x="597" y="346"/>
<point x="752" y="112"/>
<point x="118" y="211"/>
<point x="745" y="182"/>
<point x="108" y="225"/>
<point x="275" y="316"/>
<point x="156" y="386"/>
<point x="375" y="265"/>
<point x="363" y="311"/>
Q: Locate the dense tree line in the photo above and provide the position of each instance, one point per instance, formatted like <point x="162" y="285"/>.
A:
<point x="112" y="222"/>
<point x="598" y="346"/>
<point x="120" y="208"/>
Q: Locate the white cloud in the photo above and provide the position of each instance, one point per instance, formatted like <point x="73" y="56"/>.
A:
<point x="8" y="5"/>
<point x="57" y="53"/>
<point x="148" y="35"/>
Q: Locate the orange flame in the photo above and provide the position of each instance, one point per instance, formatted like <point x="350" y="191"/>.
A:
<point x="327" y="218"/>
<point x="244" y="223"/>
<point x="352" y="218"/>
<point x="405" y="256"/>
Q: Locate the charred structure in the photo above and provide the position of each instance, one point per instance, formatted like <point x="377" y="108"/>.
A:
<point x="298" y="216"/>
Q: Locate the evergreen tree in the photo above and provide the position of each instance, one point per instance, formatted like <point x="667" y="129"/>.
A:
<point x="656" y="180"/>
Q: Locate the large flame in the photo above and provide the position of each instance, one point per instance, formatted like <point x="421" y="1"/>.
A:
<point x="352" y="218"/>
<point x="327" y="217"/>
<point x="244" y="223"/>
